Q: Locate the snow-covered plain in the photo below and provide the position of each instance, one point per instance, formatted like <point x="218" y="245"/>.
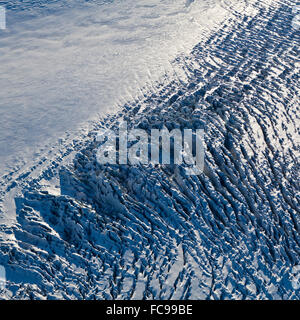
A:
<point x="70" y="228"/>
<point x="65" y="62"/>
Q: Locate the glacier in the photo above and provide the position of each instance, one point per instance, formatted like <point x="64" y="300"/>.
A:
<point x="71" y="228"/>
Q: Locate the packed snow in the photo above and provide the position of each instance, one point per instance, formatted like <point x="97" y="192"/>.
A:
<point x="71" y="228"/>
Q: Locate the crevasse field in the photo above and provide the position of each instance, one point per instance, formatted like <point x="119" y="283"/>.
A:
<point x="71" y="228"/>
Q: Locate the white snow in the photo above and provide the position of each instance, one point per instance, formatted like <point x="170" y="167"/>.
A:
<point x="62" y="69"/>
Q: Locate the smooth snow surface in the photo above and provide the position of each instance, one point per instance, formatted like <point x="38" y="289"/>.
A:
<point x="65" y="62"/>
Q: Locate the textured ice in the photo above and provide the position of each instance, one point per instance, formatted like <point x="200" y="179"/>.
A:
<point x="74" y="229"/>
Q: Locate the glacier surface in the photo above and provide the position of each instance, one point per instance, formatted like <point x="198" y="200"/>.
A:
<point x="73" y="229"/>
